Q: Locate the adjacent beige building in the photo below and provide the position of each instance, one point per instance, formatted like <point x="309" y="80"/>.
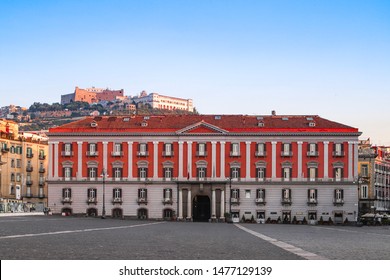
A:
<point x="23" y="169"/>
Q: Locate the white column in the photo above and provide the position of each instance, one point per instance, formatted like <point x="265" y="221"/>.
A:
<point x="130" y="160"/>
<point x="248" y="160"/>
<point x="356" y="159"/>
<point x="274" y="159"/>
<point x="181" y="161"/>
<point x="155" y="160"/>
<point x="105" y="158"/>
<point x="222" y="204"/>
<point x="326" y="159"/>
<point x="189" y="204"/>
<point x="213" y="204"/>
<point x="180" y="202"/>
<point x="300" y="161"/>
<point x="189" y="158"/>
<point x="350" y="161"/>
<point x="79" y="160"/>
<point x="50" y="167"/>
<point x="214" y="159"/>
<point x="222" y="159"/>
<point x="56" y="160"/>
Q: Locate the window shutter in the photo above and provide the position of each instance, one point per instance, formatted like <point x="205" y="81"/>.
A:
<point x="283" y="193"/>
<point x="70" y="193"/>
<point x="88" y="192"/>
<point x="146" y="147"/>
<point x="264" y="193"/>
<point x="342" y="147"/>
<point x="315" y="193"/>
<point x="308" y="173"/>
<point x="63" y="192"/>
<point x="264" y="147"/>
<point x="164" y="190"/>
<point x="63" y="172"/>
<point x="342" y="194"/>
<point x="120" y="193"/>
<point x="342" y="173"/>
<point x="238" y="193"/>
<point x="290" y="148"/>
<point x="265" y="173"/>
<point x="139" y="193"/>
<point x="335" y="194"/>
<point x="308" y="194"/>
<point x="146" y="193"/>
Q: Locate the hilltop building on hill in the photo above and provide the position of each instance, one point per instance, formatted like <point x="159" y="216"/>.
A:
<point x="91" y="95"/>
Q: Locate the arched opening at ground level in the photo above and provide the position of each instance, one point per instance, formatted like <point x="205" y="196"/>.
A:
<point x="201" y="208"/>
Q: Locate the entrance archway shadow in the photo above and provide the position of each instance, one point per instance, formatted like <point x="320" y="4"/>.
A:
<point x="201" y="208"/>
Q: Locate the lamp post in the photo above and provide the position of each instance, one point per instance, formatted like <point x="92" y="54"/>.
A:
<point x="104" y="173"/>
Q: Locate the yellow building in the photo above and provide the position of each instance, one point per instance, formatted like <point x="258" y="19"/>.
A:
<point x="23" y="167"/>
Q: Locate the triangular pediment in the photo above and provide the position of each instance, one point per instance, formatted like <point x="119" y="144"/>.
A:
<point x="201" y="128"/>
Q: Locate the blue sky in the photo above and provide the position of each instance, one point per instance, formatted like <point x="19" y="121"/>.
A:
<point x="329" y="58"/>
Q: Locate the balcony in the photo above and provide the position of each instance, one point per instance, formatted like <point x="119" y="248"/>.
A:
<point x="117" y="154"/>
<point x="312" y="154"/>
<point x="117" y="200"/>
<point x="66" y="200"/>
<point x="338" y="202"/>
<point x="286" y="154"/>
<point x="29" y="195"/>
<point x="92" y="154"/>
<point x="92" y="200"/>
<point x="260" y="201"/>
<point x="30" y="155"/>
<point x="42" y="157"/>
<point x="286" y="202"/>
<point x="142" y="200"/>
<point x="41" y="195"/>
<point x="41" y="183"/>
<point x="67" y="153"/>
<point x="338" y="153"/>
<point x="260" y="154"/>
<point x="312" y="202"/>
<point x="167" y="200"/>
<point x="29" y="168"/>
<point x="235" y="154"/>
<point x="234" y="201"/>
<point x="29" y="182"/>
<point x="201" y="154"/>
<point x="143" y="154"/>
<point x="42" y="170"/>
<point x="167" y="154"/>
<point x="5" y="150"/>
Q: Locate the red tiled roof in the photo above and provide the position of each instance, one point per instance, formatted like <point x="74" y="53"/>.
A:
<point x="207" y="123"/>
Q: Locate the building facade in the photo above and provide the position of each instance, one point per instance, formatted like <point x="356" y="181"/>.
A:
<point x="91" y="95"/>
<point x="157" y="101"/>
<point x="23" y="170"/>
<point x="202" y="167"/>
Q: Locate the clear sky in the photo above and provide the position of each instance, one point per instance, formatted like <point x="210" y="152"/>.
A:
<point x="329" y="58"/>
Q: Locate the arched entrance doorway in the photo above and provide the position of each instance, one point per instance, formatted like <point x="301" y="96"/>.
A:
<point x="92" y="212"/>
<point x="201" y="208"/>
<point x="117" y="213"/>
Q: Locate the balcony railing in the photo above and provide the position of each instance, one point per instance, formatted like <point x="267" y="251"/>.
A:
<point x="286" y="154"/>
<point x="29" y="168"/>
<point x="5" y="150"/>
<point x="92" y="200"/>
<point x="117" y="154"/>
<point x="286" y="201"/>
<point x="260" y="201"/>
<point x="338" y="202"/>
<point x="142" y="200"/>
<point x="29" y="182"/>
<point x="92" y="154"/>
<point x="234" y="200"/>
<point x="312" y="154"/>
<point x="116" y="200"/>
<point x="42" y="157"/>
<point x="167" y="201"/>
<point x="167" y="154"/>
<point x="338" y="154"/>
<point x="41" y="183"/>
<point x="41" y="195"/>
<point x="67" y="153"/>
<point x="260" y="154"/>
<point x="201" y="154"/>
<point x="31" y="155"/>
<point x="42" y="170"/>
<point x="312" y="202"/>
<point x="235" y="154"/>
<point x="66" y="200"/>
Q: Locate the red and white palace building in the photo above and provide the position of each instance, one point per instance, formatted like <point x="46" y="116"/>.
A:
<point x="200" y="167"/>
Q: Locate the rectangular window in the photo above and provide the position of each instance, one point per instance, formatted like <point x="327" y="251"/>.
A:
<point x="286" y="195"/>
<point x="235" y="195"/>
<point x="364" y="192"/>
<point x="260" y="150"/>
<point x="168" y="152"/>
<point x="67" y="149"/>
<point x="143" y="149"/>
<point x="18" y="163"/>
<point x="260" y="195"/>
<point x="142" y="195"/>
<point x="339" y="196"/>
<point x="260" y="173"/>
<point x="143" y="173"/>
<point x="92" y="195"/>
<point x="312" y="173"/>
<point x="117" y="173"/>
<point x="286" y="173"/>
<point x="312" y="150"/>
<point x="201" y="150"/>
<point x="235" y="173"/>
<point x="29" y="153"/>
<point x="312" y="195"/>
<point x="117" y="195"/>
<point x="117" y="150"/>
<point x="168" y="173"/>
<point x="67" y="173"/>
<point x="201" y="173"/>
<point x="247" y="193"/>
<point x="66" y="195"/>
<point x="167" y="194"/>
<point x="364" y="170"/>
<point x="338" y="149"/>
<point x="286" y="150"/>
<point x="338" y="173"/>
<point x="92" y="173"/>
<point x="235" y="150"/>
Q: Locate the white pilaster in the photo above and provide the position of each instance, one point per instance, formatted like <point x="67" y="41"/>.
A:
<point x="105" y="157"/>
<point x="130" y="160"/>
<point x="79" y="175"/>
<point x="155" y="160"/>
<point x="56" y="160"/>
<point x="248" y="160"/>
<point x="356" y="159"/>
<point x="213" y="204"/>
<point x="350" y="161"/>
<point x="214" y="159"/>
<point x="222" y="204"/>
<point x="222" y="159"/>
<point x="274" y="159"/>
<point x="180" y="202"/>
<point x="181" y="161"/>
<point x="300" y="160"/>
<point x="189" y="204"/>
<point x="189" y="158"/>
<point x="50" y="167"/>
<point x="326" y="159"/>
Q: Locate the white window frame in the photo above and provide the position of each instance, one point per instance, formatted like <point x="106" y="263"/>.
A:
<point x="286" y="173"/>
<point x="364" y="192"/>
<point x="67" y="173"/>
<point x="201" y="149"/>
<point x="235" y="149"/>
